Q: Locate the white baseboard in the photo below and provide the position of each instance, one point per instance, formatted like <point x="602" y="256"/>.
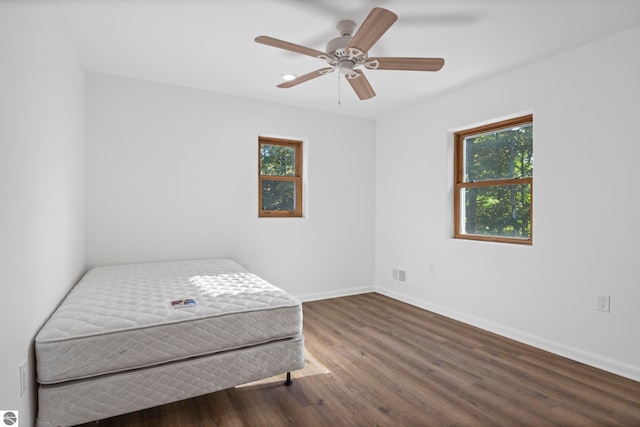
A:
<point x="335" y="294"/>
<point x="591" y="359"/>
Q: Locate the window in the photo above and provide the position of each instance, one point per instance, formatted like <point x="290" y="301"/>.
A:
<point x="493" y="195"/>
<point x="279" y="178"/>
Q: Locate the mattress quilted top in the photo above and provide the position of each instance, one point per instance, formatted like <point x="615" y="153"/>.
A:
<point x="115" y="298"/>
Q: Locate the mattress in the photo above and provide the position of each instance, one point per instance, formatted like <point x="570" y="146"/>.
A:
<point x="128" y="317"/>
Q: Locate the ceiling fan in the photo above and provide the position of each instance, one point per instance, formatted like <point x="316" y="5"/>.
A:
<point x="349" y="52"/>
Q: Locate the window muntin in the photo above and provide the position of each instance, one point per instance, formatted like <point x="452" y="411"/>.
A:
<point x="494" y="182"/>
<point x="280" y="178"/>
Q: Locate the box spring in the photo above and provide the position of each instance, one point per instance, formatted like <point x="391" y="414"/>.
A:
<point x="96" y="398"/>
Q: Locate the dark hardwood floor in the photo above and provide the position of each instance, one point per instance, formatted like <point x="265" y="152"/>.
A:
<point x="374" y="361"/>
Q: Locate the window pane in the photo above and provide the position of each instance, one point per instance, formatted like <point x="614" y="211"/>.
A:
<point x="278" y="195"/>
<point x="277" y="160"/>
<point x="503" y="154"/>
<point x="497" y="211"/>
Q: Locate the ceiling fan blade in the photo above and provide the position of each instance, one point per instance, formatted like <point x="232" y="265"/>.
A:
<point x="374" y="26"/>
<point x="360" y="85"/>
<point x="408" y="64"/>
<point x="291" y="47"/>
<point x="306" y="77"/>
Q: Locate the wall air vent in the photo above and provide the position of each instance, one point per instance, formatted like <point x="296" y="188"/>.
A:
<point x="399" y="275"/>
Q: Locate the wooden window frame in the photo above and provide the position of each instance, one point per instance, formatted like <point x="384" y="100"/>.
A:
<point x="297" y="178"/>
<point x="460" y="184"/>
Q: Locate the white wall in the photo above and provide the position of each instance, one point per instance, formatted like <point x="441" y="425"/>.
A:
<point x="41" y="181"/>
<point x="586" y="106"/>
<point x="172" y="174"/>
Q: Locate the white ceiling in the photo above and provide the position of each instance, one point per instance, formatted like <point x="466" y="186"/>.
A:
<point x="209" y="44"/>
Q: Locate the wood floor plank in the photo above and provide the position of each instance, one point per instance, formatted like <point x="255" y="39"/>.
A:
<point x="375" y="361"/>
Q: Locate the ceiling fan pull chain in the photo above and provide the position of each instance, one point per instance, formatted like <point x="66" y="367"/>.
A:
<point x="338" y="73"/>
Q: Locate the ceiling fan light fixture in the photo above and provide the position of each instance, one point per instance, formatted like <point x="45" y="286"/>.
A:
<point x="346" y="66"/>
<point x="288" y="77"/>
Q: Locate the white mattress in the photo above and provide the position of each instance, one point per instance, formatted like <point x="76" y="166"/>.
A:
<point x="121" y="318"/>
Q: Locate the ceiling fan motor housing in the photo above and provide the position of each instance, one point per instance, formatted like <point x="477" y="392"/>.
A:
<point x="346" y="28"/>
<point x="345" y="59"/>
<point x="337" y="44"/>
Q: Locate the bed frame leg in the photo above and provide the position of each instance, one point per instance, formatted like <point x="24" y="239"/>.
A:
<point x="288" y="382"/>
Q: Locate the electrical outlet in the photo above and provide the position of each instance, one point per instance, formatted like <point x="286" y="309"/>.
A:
<point x="604" y="302"/>
<point x="24" y="378"/>
<point x="432" y="270"/>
